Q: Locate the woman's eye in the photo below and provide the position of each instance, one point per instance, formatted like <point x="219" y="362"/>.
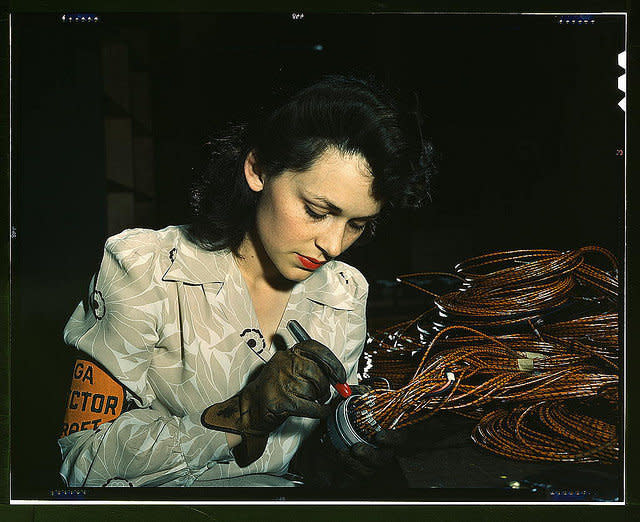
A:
<point x="313" y="214"/>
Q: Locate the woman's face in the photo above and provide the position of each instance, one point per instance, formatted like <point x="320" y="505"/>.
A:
<point x="305" y="219"/>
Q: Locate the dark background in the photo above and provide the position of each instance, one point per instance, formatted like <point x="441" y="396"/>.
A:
<point x="522" y="110"/>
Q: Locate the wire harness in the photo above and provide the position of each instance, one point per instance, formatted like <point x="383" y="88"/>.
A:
<point x="527" y="345"/>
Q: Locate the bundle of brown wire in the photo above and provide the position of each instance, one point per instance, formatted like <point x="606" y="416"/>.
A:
<point x="391" y="358"/>
<point x="547" y="431"/>
<point x="524" y="346"/>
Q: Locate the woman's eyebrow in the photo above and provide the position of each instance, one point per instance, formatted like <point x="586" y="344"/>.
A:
<point x="335" y="208"/>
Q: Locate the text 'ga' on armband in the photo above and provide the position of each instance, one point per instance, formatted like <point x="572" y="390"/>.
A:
<point x="95" y="397"/>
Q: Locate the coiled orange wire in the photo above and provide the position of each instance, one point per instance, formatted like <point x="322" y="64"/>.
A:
<point x="527" y="376"/>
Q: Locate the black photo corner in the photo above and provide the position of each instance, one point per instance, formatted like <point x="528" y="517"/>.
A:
<point x="527" y="121"/>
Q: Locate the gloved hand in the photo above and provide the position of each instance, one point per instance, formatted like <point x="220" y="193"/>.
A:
<point x="364" y="465"/>
<point x="293" y="382"/>
<point x="321" y="465"/>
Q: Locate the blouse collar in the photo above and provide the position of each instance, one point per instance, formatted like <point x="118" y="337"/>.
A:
<point x="193" y="265"/>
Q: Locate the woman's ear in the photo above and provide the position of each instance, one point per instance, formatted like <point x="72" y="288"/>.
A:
<point x="254" y="178"/>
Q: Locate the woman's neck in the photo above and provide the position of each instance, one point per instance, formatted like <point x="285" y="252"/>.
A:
<point x="257" y="268"/>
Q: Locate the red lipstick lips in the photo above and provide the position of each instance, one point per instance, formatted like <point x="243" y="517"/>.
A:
<point x="310" y="263"/>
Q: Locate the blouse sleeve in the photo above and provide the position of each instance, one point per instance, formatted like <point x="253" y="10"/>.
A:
<point x="117" y="326"/>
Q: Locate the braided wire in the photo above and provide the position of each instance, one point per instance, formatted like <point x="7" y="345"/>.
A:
<point x="525" y="345"/>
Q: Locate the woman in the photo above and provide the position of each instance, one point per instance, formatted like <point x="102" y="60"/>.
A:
<point x="187" y="325"/>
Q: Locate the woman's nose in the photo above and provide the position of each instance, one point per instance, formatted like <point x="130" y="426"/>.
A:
<point x="331" y="240"/>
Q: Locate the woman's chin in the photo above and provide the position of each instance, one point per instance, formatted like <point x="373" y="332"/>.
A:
<point x="297" y="275"/>
<point x="286" y="277"/>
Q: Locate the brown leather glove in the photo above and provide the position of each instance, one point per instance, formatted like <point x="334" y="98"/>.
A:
<point x="321" y="465"/>
<point x="363" y="462"/>
<point x="294" y="382"/>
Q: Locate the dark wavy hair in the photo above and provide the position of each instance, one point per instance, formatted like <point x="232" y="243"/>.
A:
<point x="353" y="115"/>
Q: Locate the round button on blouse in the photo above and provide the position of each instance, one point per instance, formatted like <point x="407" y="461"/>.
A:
<point x="98" y="305"/>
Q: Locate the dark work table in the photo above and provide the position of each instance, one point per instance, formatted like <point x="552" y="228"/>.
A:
<point x="441" y="454"/>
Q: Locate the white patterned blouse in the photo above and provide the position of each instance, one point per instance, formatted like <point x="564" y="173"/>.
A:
<point x="176" y="326"/>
